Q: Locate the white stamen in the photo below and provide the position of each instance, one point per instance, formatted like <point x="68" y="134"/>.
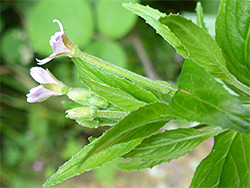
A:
<point x="60" y="24"/>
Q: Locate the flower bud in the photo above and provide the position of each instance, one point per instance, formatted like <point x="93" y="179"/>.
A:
<point x="98" y="102"/>
<point x="91" y="124"/>
<point x="80" y="96"/>
<point x="82" y="113"/>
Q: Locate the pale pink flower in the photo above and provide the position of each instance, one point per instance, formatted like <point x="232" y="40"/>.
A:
<point x="58" y="43"/>
<point x="40" y="93"/>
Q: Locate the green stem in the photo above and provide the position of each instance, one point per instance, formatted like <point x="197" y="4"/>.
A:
<point x="239" y="85"/>
<point x="164" y="88"/>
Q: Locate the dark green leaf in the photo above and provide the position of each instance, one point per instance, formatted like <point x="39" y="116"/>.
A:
<point x="201" y="98"/>
<point x="227" y="165"/>
<point x="233" y="36"/>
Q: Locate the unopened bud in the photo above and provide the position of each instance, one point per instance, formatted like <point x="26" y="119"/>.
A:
<point x="84" y="113"/>
<point x="98" y="102"/>
<point x="91" y="124"/>
<point x="80" y="96"/>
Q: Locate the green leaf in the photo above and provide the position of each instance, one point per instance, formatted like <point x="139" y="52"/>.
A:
<point x="103" y="49"/>
<point x="99" y="75"/>
<point x="200" y="17"/>
<point x="112" y="19"/>
<point x="171" y="144"/>
<point x="117" y="141"/>
<point x="74" y="15"/>
<point x="201" y="98"/>
<point x="113" y="95"/>
<point x="71" y="168"/>
<point x="233" y="36"/>
<point x="227" y="165"/>
<point x="201" y="46"/>
<point x="152" y="16"/>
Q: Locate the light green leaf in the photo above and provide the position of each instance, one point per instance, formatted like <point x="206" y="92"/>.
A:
<point x="200" y="17"/>
<point x="227" y="165"/>
<point x="110" y="51"/>
<point x="74" y="15"/>
<point x="112" y="19"/>
<point x="201" y="98"/>
<point x="71" y="168"/>
<point x="233" y="36"/>
<point x="117" y="141"/>
<point x="151" y="16"/>
<point x="113" y="95"/>
<point x="99" y="75"/>
<point x="171" y="144"/>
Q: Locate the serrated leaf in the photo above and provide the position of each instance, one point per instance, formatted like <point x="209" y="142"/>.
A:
<point x="96" y="74"/>
<point x="227" y="165"/>
<point x="171" y="144"/>
<point x="117" y="141"/>
<point x="233" y="36"/>
<point x="201" y="98"/>
<point x="201" y="46"/>
<point x="152" y="16"/>
<point x="71" y="168"/>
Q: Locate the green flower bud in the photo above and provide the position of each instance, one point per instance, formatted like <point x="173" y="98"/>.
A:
<point x="98" y="102"/>
<point x="80" y="96"/>
<point x="84" y="113"/>
<point x="91" y="124"/>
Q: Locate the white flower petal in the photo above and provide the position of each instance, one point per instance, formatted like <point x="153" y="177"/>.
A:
<point x="44" y="61"/>
<point x="42" y="76"/>
<point x="38" y="94"/>
<point x="60" y="24"/>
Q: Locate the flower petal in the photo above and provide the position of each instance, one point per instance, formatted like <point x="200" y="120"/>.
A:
<point x="38" y="94"/>
<point x="44" y="61"/>
<point x="42" y="76"/>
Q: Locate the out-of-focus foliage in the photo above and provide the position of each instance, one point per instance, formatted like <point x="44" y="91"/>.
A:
<point x="36" y="138"/>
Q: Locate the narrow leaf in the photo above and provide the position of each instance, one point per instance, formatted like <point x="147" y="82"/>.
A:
<point x="227" y="165"/>
<point x="233" y="36"/>
<point x="100" y="75"/>
<point x="152" y="16"/>
<point x="171" y="144"/>
<point x="117" y="141"/>
<point x="202" y="48"/>
<point x="200" y="17"/>
<point x="200" y="95"/>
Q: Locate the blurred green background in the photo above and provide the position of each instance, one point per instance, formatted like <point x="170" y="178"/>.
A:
<point x="37" y="138"/>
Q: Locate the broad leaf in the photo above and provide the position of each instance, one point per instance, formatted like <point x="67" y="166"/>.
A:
<point x="152" y="16"/>
<point x="201" y="46"/>
<point x="171" y="144"/>
<point x="117" y="141"/>
<point x="227" y="165"/>
<point x="96" y="74"/>
<point x="233" y="36"/>
<point x="201" y="98"/>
